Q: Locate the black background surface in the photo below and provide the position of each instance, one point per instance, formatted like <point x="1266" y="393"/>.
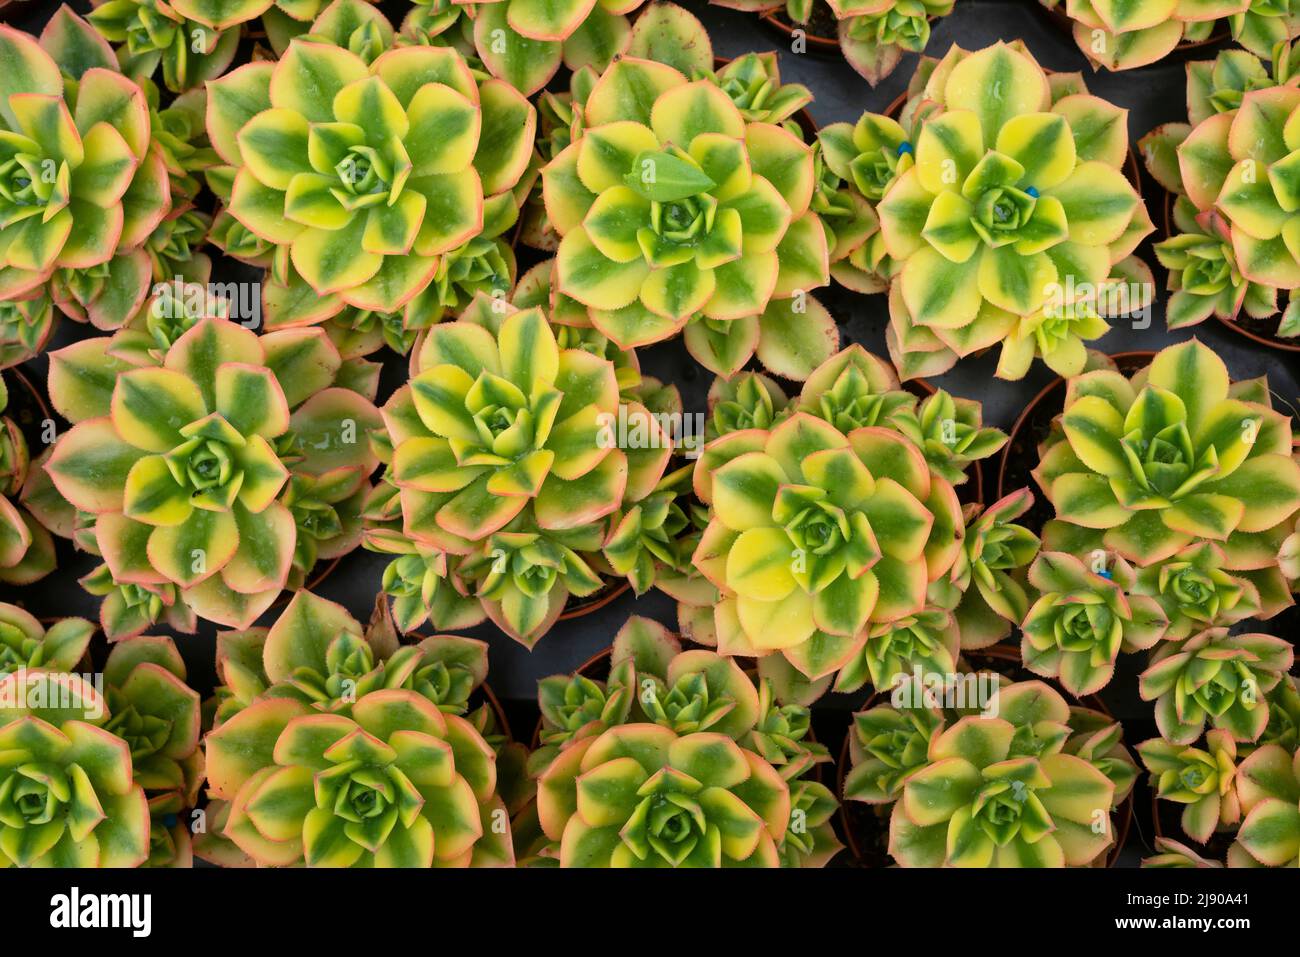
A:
<point x="1153" y="95"/>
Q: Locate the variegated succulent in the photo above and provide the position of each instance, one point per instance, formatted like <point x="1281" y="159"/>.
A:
<point x="508" y="457"/>
<point x="980" y="802"/>
<point x="1268" y="785"/>
<point x="85" y="185"/>
<point x="642" y="795"/>
<point x="873" y="34"/>
<point x="184" y="464"/>
<point x="373" y="181"/>
<point x="1082" y="620"/>
<point x="1013" y="221"/>
<point x="396" y="783"/>
<point x="677" y="212"/>
<point x="1216" y="678"/>
<point x="151" y="33"/>
<point x="26" y="548"/>
<point x="317" y="653"/>
<point x="1121" y="36"/>
<point x="525" y="42"/>
<point x="816" y="535"/>
<point x="986" y="590"/>
<point x="1145" y="466"/>
<point x="1196" y="592"/>
<point x="1236" y="179"/>
<point x="70" y="795"/>
<point x="1203" y="780"/>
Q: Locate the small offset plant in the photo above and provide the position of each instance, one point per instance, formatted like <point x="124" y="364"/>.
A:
<point x="1218" y="679"/>
<point x="1013" y="221"/>
<point x="642" y="795"/>
<point x="396" y="783"/>
<point x="978" y="802"/>
<point x="1144" y="467"/>
<point x="1120" y="36"/>
<point x="1203" y="780"/>
<point x="318" y="654"/>
<point x="1233" y="249"/>
<point x="816" y="535"/>
<point x="677" y="212"/>
<point x="26" y="548"/>
<point x="367" y="182"/>
<point x="525" y="43"/>
<point x="183" y="465"/>
<point x="1195" y="592"/>
<point x="987" y="589"/>
<point x="149" y="34"/>
<point x="1082" y="620"/>
<point x="873" y="34"/>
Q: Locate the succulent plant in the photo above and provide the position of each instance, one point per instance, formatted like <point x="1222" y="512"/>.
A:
<point x="26" y="548"/>
<point x="1171" y="853"/>
<point x="507" y="455"/>
<point x="679" y="213"/>
<point x="873" y="34"/>
<point x="1119" y="36"/>
<point x="131" y="608"/>
<point x="522" y="42"/>
<point x="1268" y="785"/>
<point x="1203" y="780"/>
<point x="815" y="535"/>
<point x="184" y="464"/>
<point x="986" y="587"/>
<point x="1081" y="621"/>
<point x="641" y="795"/>
<point x="1219" y="85"/>
<point x="26" y="322"/>
<point x="1011" y="222"/>
<point x="81" y="198"/>
<point x="371" y="181"/>
<point x="1144" y="467"/>
<point x="26" y="644"/>
<point x="1217" y="678"/>
<point x="318" y="654"/>
<point x="156" y="713"/>
<point x="1196" y="592"/>
<point x="1232" y="249"/>
<point x="71" y="798"/>
<point x="150" y="33"/>
<point x="978" y="803"/>
<point x="1265" y="24"/>
<point x="398" y="783"/>
<point x="886" y="745"/>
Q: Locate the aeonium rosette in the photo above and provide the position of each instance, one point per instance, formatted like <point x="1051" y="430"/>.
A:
<point x="364" y="177"/>
<point x="641" y="795"/>
<point x="83" y="181"/>
<point x="673" y="209"/>
<point x="507" y="457"/>
<point x="814" y="534"/>
<point x="397" y="783"/>
<point x="1146" y="466"/>
<point x="1011" y="223"/>
<point x="979" y="801"/>
<point x="182" y="465"/>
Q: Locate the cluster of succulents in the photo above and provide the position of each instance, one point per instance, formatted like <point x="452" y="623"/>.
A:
<point x="1232" y="250"/>
<point x="471" y="276"/>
